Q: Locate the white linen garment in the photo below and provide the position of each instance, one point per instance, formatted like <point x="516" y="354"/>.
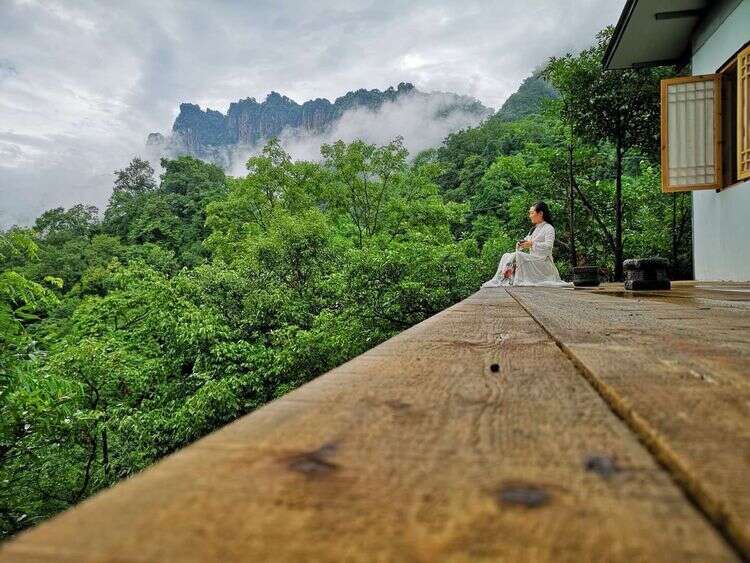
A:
<point x="534" y="267"/>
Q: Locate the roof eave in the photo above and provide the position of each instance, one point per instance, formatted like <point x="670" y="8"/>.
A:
<point x="622" y="23"/>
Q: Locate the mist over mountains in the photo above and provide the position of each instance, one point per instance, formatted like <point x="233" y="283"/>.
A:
<point x="423" y="119"/>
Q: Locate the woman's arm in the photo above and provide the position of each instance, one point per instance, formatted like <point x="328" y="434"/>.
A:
<point x="524" y="243"/>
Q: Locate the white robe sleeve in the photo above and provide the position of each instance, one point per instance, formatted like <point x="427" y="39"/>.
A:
<point x="542" y="246"/>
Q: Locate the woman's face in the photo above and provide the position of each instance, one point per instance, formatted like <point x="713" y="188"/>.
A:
<point x="535" y="216"/>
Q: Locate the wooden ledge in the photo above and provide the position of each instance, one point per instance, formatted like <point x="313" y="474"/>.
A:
<point x="471" y="436"/>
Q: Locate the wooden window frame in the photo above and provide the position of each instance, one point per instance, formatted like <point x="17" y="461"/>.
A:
<point x="718" y="142"/>
<point x="730" y="70"/>
<point x="742" y="61"/>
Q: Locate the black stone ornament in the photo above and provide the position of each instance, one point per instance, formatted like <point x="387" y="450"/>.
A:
<point x="646" y="273"/>
<point x="585" y="276"/>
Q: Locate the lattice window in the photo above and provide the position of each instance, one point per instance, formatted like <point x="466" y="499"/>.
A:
<point x="743" y="114"/>
<point x="691" y="133"/>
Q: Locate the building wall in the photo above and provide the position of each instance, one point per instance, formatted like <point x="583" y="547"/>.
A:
<point x="721" y="221"/>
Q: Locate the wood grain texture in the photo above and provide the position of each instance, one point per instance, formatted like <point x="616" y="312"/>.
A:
<point x="418" y="450"/>
<point x="678" y="370"/>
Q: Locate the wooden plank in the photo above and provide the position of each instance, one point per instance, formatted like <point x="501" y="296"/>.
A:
<point x="418" y="450"/>
<point x="698" y="295"/>
<point x="677" y="371"/>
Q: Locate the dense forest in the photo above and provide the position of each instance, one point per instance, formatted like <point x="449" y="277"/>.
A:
<point x="195" y="297"/>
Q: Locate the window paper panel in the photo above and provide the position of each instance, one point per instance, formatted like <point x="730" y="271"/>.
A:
<point x="690" y="133"/>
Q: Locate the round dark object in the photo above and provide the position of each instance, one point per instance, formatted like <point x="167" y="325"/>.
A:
<point x="646" y="273"/>
<point x="585" y="276"/>
<point x="494" y="368"/>
<point x="653" y="263"/>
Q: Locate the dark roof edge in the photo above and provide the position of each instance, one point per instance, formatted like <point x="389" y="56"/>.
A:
<point x="622" y="23"/>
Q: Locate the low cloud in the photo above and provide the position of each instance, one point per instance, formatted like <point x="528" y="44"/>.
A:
<point x="84" y="82"/>
<point x="423" y="122"/>
<point x="38" y="173"/>
<point x="7" y="70"/>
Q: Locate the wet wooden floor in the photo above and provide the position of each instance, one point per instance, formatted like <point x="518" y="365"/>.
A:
<point x="523" y="425"/>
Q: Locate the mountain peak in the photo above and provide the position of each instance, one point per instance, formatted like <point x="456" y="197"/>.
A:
<point x="276" y="98"/>
<point x="247" y="122"/>
<point x="528" y="98"/>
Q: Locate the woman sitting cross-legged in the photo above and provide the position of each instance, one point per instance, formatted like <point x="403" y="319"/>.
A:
<point x="534" y="267"/>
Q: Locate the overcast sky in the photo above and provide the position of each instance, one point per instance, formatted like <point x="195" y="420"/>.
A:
<point x="83" y="83"/>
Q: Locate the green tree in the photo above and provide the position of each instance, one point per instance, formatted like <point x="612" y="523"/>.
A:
<point x="157" y="338"/>
<point x="131" y="184"/>
<point x="366" y="177"/>
<point x="620" y="107"/>
<point x="59" y="225"/>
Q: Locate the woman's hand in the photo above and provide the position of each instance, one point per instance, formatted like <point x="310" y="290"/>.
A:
<point x="524" y="244"/>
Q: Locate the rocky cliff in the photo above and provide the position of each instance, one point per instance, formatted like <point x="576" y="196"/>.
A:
<point x="212" y="135"/>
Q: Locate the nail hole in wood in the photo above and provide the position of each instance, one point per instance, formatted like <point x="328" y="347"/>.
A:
<point x="604" y="465"/>
<point x="527" y="495"/>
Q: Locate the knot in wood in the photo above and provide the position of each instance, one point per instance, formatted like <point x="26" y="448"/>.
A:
<point x="313" y="463"/>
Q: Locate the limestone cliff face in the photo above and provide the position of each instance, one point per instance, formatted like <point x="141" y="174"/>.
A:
<point x="208" y="133"/>
<point x="198" y="127"/>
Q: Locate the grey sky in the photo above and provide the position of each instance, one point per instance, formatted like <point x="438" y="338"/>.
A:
<point x="83" y="83"/>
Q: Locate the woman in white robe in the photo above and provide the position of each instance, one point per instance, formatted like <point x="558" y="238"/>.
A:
<point x="534" y="267"/>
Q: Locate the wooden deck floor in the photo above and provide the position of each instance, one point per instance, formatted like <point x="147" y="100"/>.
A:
<point x="523" y="425"/>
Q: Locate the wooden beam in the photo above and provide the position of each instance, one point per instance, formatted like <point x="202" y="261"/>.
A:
<point x="676" y="369"/>
<point x="679" y="14"/>
<point x="469" y="437"/>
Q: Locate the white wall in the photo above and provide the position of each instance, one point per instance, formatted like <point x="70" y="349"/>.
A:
<point x="721" y="221"/>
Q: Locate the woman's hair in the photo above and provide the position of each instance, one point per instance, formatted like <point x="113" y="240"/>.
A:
<point x="541" y="207"/>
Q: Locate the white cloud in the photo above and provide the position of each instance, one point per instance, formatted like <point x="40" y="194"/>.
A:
<point x="84" y="81"/>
